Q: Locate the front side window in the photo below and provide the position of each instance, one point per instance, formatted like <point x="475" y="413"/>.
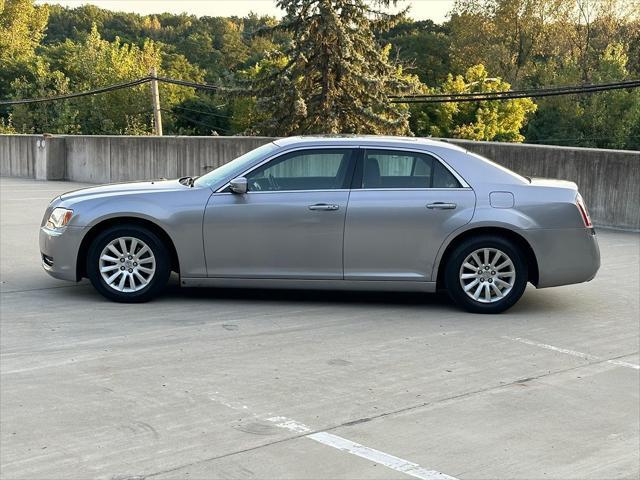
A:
<point x="322" y="169"/>
<point x="224" y="171"/>
<point x="398" y="169"/>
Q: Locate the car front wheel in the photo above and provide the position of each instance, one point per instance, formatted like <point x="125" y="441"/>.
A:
<point x="128" y="264"/>
<point x="486" y="274"/>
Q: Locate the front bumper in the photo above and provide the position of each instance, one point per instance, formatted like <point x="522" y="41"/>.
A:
<point x="59" y="251"/>
<point x="565" y="256"/>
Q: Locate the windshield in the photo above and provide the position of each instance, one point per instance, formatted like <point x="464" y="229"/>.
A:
<point x="236" y="165"/>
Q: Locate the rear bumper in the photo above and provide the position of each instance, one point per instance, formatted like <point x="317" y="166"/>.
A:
<point x="565" y="256"/>
<point x="59" y="251"/>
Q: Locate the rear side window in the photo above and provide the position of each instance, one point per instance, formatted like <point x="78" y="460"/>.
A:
<point x="399" y="169"/>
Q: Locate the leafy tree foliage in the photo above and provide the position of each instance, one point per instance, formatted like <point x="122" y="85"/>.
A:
<point x="535" y="43"/>
<point x="22" y="27"/>
<point x="607" y="120"/>
<point x="202" y="115"/>
<point x="58" y="117"/>
<point x="423" y="47"/>
<point x="514" y="38"/>
<point x="6" y="126"/>
<point x="333" y="76"/>
<point x="485" y="120"/>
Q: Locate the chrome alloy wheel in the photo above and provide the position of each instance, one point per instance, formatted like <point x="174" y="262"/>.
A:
<point x="127" y="264"/>
<point x="487" y="275"/>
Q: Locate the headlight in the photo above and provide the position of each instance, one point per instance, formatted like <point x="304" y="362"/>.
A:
<point x="59" y="218"/>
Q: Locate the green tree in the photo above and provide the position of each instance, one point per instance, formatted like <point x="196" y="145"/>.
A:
<point x="515" y="38"/>
<point x="508" y="36"/>
<point x="424" y="47"/>
<point x="96" y="62"/>
<point x="46" y="117"/>
<point x="24" y="73"/>
<point x="202" y="115"/>
<point x="333" y="76"/>
<point x="603" y="120"/>
<point x="6" y="126"/>
<point x="483" y="120"/>
<point x="22" y="26"/>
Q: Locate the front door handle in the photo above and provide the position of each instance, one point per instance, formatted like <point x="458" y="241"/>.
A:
<point x="324" y="206"/>
<point x="441" y="206"/>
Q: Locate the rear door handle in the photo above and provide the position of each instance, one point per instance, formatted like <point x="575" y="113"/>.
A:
<point x="441" y="206"/>
<point x="324" y="206"/>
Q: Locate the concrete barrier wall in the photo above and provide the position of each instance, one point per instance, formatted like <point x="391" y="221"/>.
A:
<point x="121" y="158"/>
<point x="17" y="155"/>
<point x="608" y="179"/>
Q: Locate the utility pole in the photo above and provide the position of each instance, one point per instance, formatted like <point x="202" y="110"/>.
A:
<point x="155" y="99"/>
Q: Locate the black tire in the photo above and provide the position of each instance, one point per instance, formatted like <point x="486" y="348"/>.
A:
<point x="162" y="264"/>
<point x="454" y="265"/>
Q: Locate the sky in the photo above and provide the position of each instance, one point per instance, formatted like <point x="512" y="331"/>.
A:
<point x="435" y="10"/>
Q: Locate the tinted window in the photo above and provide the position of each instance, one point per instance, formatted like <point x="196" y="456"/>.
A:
<point x="237" y="165"/>
<point x="323" y="169"/>
<point x="398" y="169"/>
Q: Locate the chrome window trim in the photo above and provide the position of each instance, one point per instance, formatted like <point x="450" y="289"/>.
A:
<point x="444" y="189"/>
<point x="289" y="191"/>
<point x="408" y="189"/>
<point x="284" y="152"/>
<point x="463" y="182"/>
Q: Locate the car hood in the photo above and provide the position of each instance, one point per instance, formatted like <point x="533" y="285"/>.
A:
<point x="123" y="189"/>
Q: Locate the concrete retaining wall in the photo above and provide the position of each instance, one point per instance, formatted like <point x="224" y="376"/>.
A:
<point x="608" y="179"/>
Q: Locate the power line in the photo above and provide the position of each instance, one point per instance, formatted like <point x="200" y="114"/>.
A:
<point x="198" y="122"/>
<point x="536" y="91"/>
<point x="114" y="87"/>
<point x="186" y="83"/>
<point x="212" y="114"/>
<point x="510" y="95"/>
<point x="435" y="98"/>
<point x="95" y="91"/>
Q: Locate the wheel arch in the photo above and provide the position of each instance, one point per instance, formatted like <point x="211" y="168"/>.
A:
<point x="516" y="238"/>
<point x="95" y="230"/>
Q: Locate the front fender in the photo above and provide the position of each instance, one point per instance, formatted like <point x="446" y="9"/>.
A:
<point x="178" y="213"/>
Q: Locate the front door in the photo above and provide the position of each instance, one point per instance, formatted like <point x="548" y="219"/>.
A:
<point x="403" y="206"/>
<point x="289" y="224"/>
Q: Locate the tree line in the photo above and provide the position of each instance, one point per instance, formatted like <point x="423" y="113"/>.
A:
<point x="329" y="66"/>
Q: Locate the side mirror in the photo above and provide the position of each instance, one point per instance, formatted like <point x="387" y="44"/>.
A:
<point x="238" y="185"/>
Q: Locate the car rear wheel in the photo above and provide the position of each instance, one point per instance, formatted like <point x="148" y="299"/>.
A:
<point x="486" y="274"/>
<point x="128" y="264"/>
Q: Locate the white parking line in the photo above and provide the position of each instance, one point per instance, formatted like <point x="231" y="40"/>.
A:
<point x="381" y="458"/>
<point x="343" y="444"/>
<point x="586" y="356"/>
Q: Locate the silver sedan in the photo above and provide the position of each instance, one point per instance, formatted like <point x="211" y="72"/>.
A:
<point x="370" y="213"/>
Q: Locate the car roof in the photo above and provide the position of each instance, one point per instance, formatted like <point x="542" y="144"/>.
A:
<point x="369" y="140"/>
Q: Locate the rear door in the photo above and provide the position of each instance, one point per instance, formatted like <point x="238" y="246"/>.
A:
<point x="402" y="207"/>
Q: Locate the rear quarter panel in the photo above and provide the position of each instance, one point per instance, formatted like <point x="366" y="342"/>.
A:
<point x="543" y="213"/>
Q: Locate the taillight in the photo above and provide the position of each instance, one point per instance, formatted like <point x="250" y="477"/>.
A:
<point x="583" y="211"/>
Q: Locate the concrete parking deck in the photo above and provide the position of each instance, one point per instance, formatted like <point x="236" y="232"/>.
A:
<point x="261" y="384"/>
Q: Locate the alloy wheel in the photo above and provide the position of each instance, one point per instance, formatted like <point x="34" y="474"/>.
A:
<point x="127" y="264"/>
<point x="487" y="275"/>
